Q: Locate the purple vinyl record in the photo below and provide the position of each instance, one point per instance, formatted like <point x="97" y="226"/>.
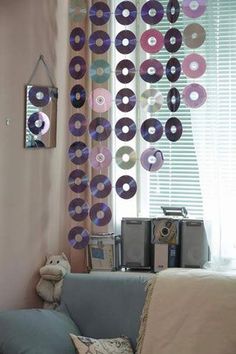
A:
<point x="173" y="11"/>
<point x="125" y="129"/>
<point x="78" y="237"/>
<point x="151" y="130"/>
<point x="125" y="71"/>
<point x="100" y="100"/>
<point x="99" y="42"/>
<point x="77" y="38"/>
<point x="194" y="95"/>
<point x="100" y="129"/>
<point x="194" y="35"/>
<point x="173" y="129"/>
<point x="100" y="186"/>
<point x="99" y="13"/>
<point x="194" y="65"/>
<point x="126" y="187"/>
<point x="39" y="96"/>
<point x="38" y="123"/>
<point x="125" y="100"/>
<point x="173" y="69"/>
<point x="152" y="159"/>
<point x="125" y="42"/>
<point x="100" y="214"/>
<point x="78" y="209"/>
<point x="194" y="8"/>
<point x="78" y="181"/>
<point x="173" y="40"/>
<point x="77" y="124"/>
<point x="78" y="153"/>
<point x="173" y="99"/>
<point x="126" y="13"/>
<point x="77" y="67"/>
<point x="77" y="96"/>
<point x="152" y="41"/>
<point x="100" y="157"/>
<point x="152" y="12"/>
<point x="151" y="70"/>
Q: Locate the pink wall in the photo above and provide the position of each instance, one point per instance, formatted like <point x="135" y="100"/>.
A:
<point x="33" y="184"/>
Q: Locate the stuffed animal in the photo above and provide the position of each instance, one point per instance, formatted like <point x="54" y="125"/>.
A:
<point x="50" y="284"/>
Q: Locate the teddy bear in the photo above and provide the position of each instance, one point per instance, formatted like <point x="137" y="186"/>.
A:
<point x="50" y="284"/>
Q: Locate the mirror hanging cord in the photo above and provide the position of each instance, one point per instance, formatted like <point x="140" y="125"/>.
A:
<point x="41" y="59"/>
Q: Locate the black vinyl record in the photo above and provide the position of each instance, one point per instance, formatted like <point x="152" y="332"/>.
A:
<point x="32" y="123"/>
<point x="99" y="13"/>
<point x="39" y="96"/>
<point x="130" y="183"/>
<point x="173" y="11"/>
<point x="100" y="186"/>
<point x="84" y="153"/>
<point x="173" y="40"/>
<point x="151" y="70"/>
<point x="125" y="71"/>
<point x="173" y="99"/>
<point x="125" y="42"/>
<point x="99" y="42"/>
<point x="76" y="91"/>
<point x="122" y="96"/>
<point x="78" y="237"/>
<point x="77" y="124"/>
<point x="77" y="38"/>
<point x="173" y="69"/>
<point x="74" y="177"/>
<point x="152" y="12"/>
<point x="173" y="129"/>
<point x="100" y="214"/>
<point x="151" y="130"/>
<point x="73" y="67"/>
<point x="82" y="213"/>
<point x="130" y="8"/>
<point x="125" y="129"/>
<point x="100" y="129"/>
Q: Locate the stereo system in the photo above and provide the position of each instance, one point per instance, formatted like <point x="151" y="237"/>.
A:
<point x="164" y="242"/>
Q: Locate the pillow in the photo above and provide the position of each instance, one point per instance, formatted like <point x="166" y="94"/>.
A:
<point x="86" y="345"/>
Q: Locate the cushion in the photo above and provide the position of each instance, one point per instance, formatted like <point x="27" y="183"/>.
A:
<point x="86" y="345"/>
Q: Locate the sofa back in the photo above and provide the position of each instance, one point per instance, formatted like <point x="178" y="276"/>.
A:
<point x="105" y="304"/>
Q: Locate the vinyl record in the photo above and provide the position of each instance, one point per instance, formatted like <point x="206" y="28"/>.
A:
<point x="125" y="71"/>
<point x="151" y="130"/>
<point x="125" y="42"/>
<point x="77" y="124"/>
<point x="100" y="157"/>
<point x="152" y="100"/>
<point x="173" y="40"/>
<point x="126" y="157"/>
<point x="173" y="11"/>
<point x="77" y="67"/>
<point x="100" y="71"/>
<point x="152" y="12"/>
<point x="39" y="96"/>
<point x="78" y="237"/>
<point x="152" y="41"/>
<point x="38" y="123"/>
<point x="194" y="65"/>
<point x="78" y="181"/>
<point x="173" y="129"/>
<point x="194" y="95"/>
<point x="100" y="186"/>
<point x="126" y="187"/>
<point x="100" y="214"/>
<point x="126" y="13"/>
<point x="78" y="209"/>
<point x="99" y="13"/>
<point x="78" y="153"/>
<point x="125" y="129"/>
<point x="173" y="69"/>
<point x="100" y="100"/>
<point x="99" y="42"/>
<point x="173" y="99"/>
<point x="100" y="129"/>
<point x="152" y="159"/>
<point x="194" y="8"/>
<point x="77" y="38"/>
<point x="77" y="10"/>
<point x="151" y="71"/>
<point x="77" y="96"/>
<point x="194" y="35"/>
<point x="125" y="100"/>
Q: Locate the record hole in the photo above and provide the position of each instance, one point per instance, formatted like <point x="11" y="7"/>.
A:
<point x="77" y="39"/>
<point x="78" y="124"/>
<point x="194" y="66"/>
<point x="99" y="42"/>
<point x="152" y="41"/>
<point x="152" y="160"/>
<point x="78" y="153"/>
<point x="100" y="129"/>
<point x="194" y="96"/>
<point x="172" y="10"/>
<point x="100" y="186"/>
<point x="125" y="71"/>
<point x="126" y="187"/>
<point x="151" y="130"/>
<point x="39" y="95"/>
<point x="100" y="158"/>
<point x="100" y="71"/>
<point x="77" y="67"/>
<point x="172" y="40"/>
<point x="78" y="238"/>
<point x="99" y="13"/>
<point x="151" y="70"/>
<point x="100" y="100"/>
<point x="194" y="35"/>
<point x="125" y="157"/>
<point x="173" y="99"/>
<point x="125" y="129"/>
<point x="125" y="99"/>
<point x="100" y="214"/>
<point x="151" y="100"/>
<point x="125" y="13"/>
<point x="39" y="123"/>
<point x="78" y="181"/>
<point x="125" y="42"/>
<point x="173" y="70"/>
<point x="194" y="5"/>
<point x="77" y="96"/>
<point x="152" y="12"/>
<point x="78" y="209"/>
<point x="173" y="129"/>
